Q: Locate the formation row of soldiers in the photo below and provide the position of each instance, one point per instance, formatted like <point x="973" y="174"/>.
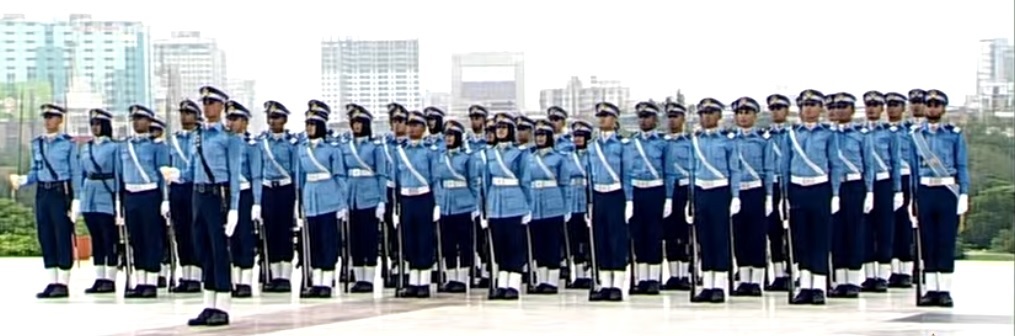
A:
<point x="526" y="197"/>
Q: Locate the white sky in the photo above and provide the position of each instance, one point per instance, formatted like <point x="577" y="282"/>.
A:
<point x="719" y="48"/>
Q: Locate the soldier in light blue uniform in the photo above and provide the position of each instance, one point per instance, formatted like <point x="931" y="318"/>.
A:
<point x="942" y="195"/>
<point x="141" y="158"/>
<point x="435" y="126"/>
<point x="100" y="206"/>
<point x="885" y="165"/>
<point x="215" y="169"/>
<point x="181" y="192"/>
<point x="278" y="160"/>
<point x="475" y="137"/>
<point x="482" y="247"/>
<point x="367" y="171"/>
<point x="643" y="166"/>
<point x="715" y="173"/>
<point x="750" y="225"/>
<point x="243" y="242"/>
<point x="612" y="204"/>
<point x="778" y="105"/>
<point x="917" y="107"/>
<point x="578" y="225"/>
<point x="322" y="181"/>
<point x="902" y="237"/>
<point x="857" y="197"/>
<point x="524" y="136"/>
<point x="415" y="180"/>
<point x="561" y="139"/>
<point x="508" y="207"/>
<point x="677" y="172"/>
<point x="549" y="176"/>
<point x="397" y="114"/>
<point x="457" y="196"/>
<point x="811" y="168"/>
<point x="157" y="130"/>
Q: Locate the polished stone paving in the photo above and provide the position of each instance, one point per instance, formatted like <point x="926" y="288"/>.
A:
<point x="984" y="293"/>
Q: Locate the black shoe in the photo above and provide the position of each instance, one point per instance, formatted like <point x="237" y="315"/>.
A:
<point x="548" y="289"/>
<point x="718" y="296"/>
<point x="134" y="293"/>
<point x="422" y="292"/>
<point x="905" y="281"/>
<point x="148" y="292"/>
<point x="868" y="285"/>
<point x="44" y="294"/>
<point x="457" y="287"/>
<point x="684" y="284"/>
<point x="616" y="295"/>
<point x="162" y="282"/>
<point x="803" y="297"/>
<point x="893" y="280"/>
<point x="817" y="297"/>
<point x="483" y="283"/>
<point x="309" y="293"/>
<point x="270" y="286"/>
<point x="193" y="286"/>
<point x="323" y="292"/>
<point x="510" y="294"/>
<point x="582" y="283"/>
<point x="928" y="299"/>
<point x="599" y="295"/>
<point x="852" y="292"/>
<point x="201" y="319"/>
<point x="94" y="288"/>
<point x="637" y="289"/>
<point x="242" y="292"/>
<point x="652" y="287"/>
<point x="704" y="296"/>
<point x="536" y="290"/>
<point x="838" y="292"/>
<point x="944" y="299"/>
<point x="779" y="284"/>
<point x="743" y="289"/>
<point x="217" y="318"/>
<point x="497" y="294"/>
<point x="880" y="286"/>
<point x="362" y="287"/>
<point x="406" y="292"/>
<point x="671" y="284"/>
<point x="59" y="291"/>
<point x="283" y="286"/>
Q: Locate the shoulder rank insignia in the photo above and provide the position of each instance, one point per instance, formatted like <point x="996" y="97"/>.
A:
<point x="294" y="140"/>
<point x="956" y="129"/>
<point x="625" y="140"/>
<point x="863" y="130"/>
<point x="731" y="135"/>
<point x="377" y="141"/>
<point x="433" y="147"/>
<point x="766" y="134"/>
<point x="893" y="128"/>
<point x="668" y="137"/>
<point x="157" y="140"/>
<point x="251" y="141"/>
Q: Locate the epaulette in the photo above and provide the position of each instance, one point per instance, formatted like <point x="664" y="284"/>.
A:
<point x="893" y="128"/>
<point x="623" y="140"/>
<point x="952" y="127"/>
<point x="158" y="140"/>
<point x="766" y="134"/>
<point x="523" y="147"/>
<point x="377" y="141"/>
<point x="862" y="129"/>
<point x="731" y="135"/>
<point x="434" y="147"/>
<point x="668" y="137"/>
<point x="334" y="143"/>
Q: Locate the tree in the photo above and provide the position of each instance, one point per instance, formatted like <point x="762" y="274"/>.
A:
<point x="17" y="230"/>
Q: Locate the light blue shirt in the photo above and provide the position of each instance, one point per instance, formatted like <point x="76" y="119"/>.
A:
<point x="141" y="156"/>
<point x="755" y="158"/>
<point x="854" y="153"/>
<point x="647" y="163"/>
<point x="253" y="168"/>
<point x="222" y="152"/>
<point x="100" y="160"/>
<point x="367" y="171"/>
<point x="62" y="155"/>
<point x="948" y="146"/>
<point x="181" y="145"/>
<point x="579" y="162"/>
<point x="820" y="146"/>
<point x="884" y="149"/>
<point x="459" y="174"/>
<point x="322" y="177"/>
<point x="547" y="167"/>
<point x="506" y="162"/>
<point x="611" y="149"/>
<point x="716" y="149"/>
<point x="279" y="157"/>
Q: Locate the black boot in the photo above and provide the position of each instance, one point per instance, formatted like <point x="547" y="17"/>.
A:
<point x="599" y="295"/>
<point x="803" y="297"/>
<point x="59" y="291"/>
<point x="44" y="294"/>
<point x="283" y="286"/>
<point x="652" y="287"/>
<point x="817" y="297"/>
<point x="201" y="319"/>
<point x="243" y="292"/>
<point x="510" y="294"/>
<point x="671" y="284"/>
<point x="362" y="287"/>
<point x="928" y="299"/>
<point x="406" y="292"/>
<point x="616" y="295"/>
<point x="497" y="294"/>
<point x="718" y="296"/>
<point x="944" y="299"/>
<point x="217" y="318"/>
<point x="704" y="296"/>
<point x="270" y="286"/>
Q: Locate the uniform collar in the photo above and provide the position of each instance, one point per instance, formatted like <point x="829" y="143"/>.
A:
<point x="544" y="151"/>
<point x="648" y="134"/>
<point x="361" y="139"/>
<point x="710" y="131"/>
<point x="746" y="131"/>
<point x="99" y="140"/>
<point x="607" y="135"/>
<point x="778" y="126"/>
<point x="809" y="126"/>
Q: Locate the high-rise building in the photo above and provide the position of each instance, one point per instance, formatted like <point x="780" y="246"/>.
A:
<point x="371" y="74"/>
<point x="186" y="61"/>
<point x="495" y="80"/>
<point x="111" y="57"/>
<point x="243" y="91"/>
<point x="995" y="77"/>
<point x="579" y="99"/>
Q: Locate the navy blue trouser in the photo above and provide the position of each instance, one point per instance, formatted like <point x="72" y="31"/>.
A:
<point x="509" y="244"/>
<point x="881" y="224"/>
<point x="939" y="224"/>
<point x="210" y="242"/>
<point x="848" y="227"/>
<point x="902" y="247"/>
<point x="546" y="239"/>
<point x="417" y="228"/>
<point x="578" y="234"/>
<point x="55" y="229"/>
<point x="810" y="217"/>
<point x="675" y="228"/>
<point x="456" y="240"/>
<point x="749" y="229"/>
<point x="102" y="227"/>
<point x="277" y="205"/>
<point x="647" y="224"/>
<point x="365" y="229"/>
<point x="181" y="214"/>
<point x="243" y="242"/>
<point x="776" y="244"/>
<point x="609" y="229"/>
<point x="712" y="222"/>
<point x="325" y="240"/>
<point x="146" y="228"/>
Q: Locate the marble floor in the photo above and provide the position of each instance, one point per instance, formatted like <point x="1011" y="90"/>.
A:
<point x="984" y="293"/>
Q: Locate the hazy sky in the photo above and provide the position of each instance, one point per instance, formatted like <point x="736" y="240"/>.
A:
<point x="719" y="48"/>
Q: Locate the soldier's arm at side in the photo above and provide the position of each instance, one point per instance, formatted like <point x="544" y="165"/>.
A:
<point x="339" y="174"/>
<point x="870" y="167"/>
<point x="76" y="174"/>
<point x="894" y="153"/>
<point x="627" y="158"/>
<point x="834" y="166"/>
<point x="381" y="171"/>
<point x="768" y="168"/>
<point x="33" y="166"/>
<point x="256" y="172"/>
<point x="564" y="179"/>
<point x="669" y="177"/>
<point x="733" y="161"/>
<point x="961" y="164"/>
<point x="234" y="153"/>
<point x="524" y="175"/>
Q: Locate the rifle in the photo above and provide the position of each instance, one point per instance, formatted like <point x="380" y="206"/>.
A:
<point x="594" y="268"/>
<point x="693" y="237"/>
<point x="304" y="242"/>
<point x="788" y="237"/>
<point x="918" y="276"/>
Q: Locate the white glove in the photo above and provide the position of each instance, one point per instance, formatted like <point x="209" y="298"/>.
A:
<point x="484" y="223"/>
<point x="567" y="218"/>
<point x="118" y="214"/>
<point x="868" y="202"/>
<point x="782" y="214"/>
<point x="527" y="218"/>
<point x="380" y="211"/>
<point x="668" y="207"/>
<point x="963" y="204"/>
<point x="475" y="214"/>
<point x="17" y="181"/>
<point x="394" y="219"/>
<point x="255" y="213"/>
<point x="734" y="206"/>
<point x="897" y="201"/>
<point x="342" y="214"/>
<point x="231" y="219"/>
<point x="171" y="174"/>
<point x="75" y="210"/>
<point x="835" y="204"/>
<point x="768" y="206"/>
<point x="164" y="209"/>
<point x="628" y="211"/>
<point x="687" y="214"/>
<point x="436" y="213"/>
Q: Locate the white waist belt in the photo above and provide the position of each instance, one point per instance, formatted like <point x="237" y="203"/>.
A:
<point x="808" y="181"/>
<point x="683" y="181"/>
<point x="141" y="187"/>
<point x="882" y="176"/>
<point x="504" y="182"/>
<point x="641" y="184"/>
<point x="605" y="188"/>
<point x="904" y="171"/>
<point x="391" y="184"/>
<point x="853" y="176"/>
<point x="539" y="184"/>
<point x="711" y="184"/>
<point x="750" y="185"/>
<point x="937" y="181"/>
<point x="415" y="191"/>
<point x="244" y="185"/>
<point x="577" y="181"/>
<point x="454" y="184"/>
<point x="318" y="177"/>
<point x="277" y="183"/>
<point x="360" y="173"/>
